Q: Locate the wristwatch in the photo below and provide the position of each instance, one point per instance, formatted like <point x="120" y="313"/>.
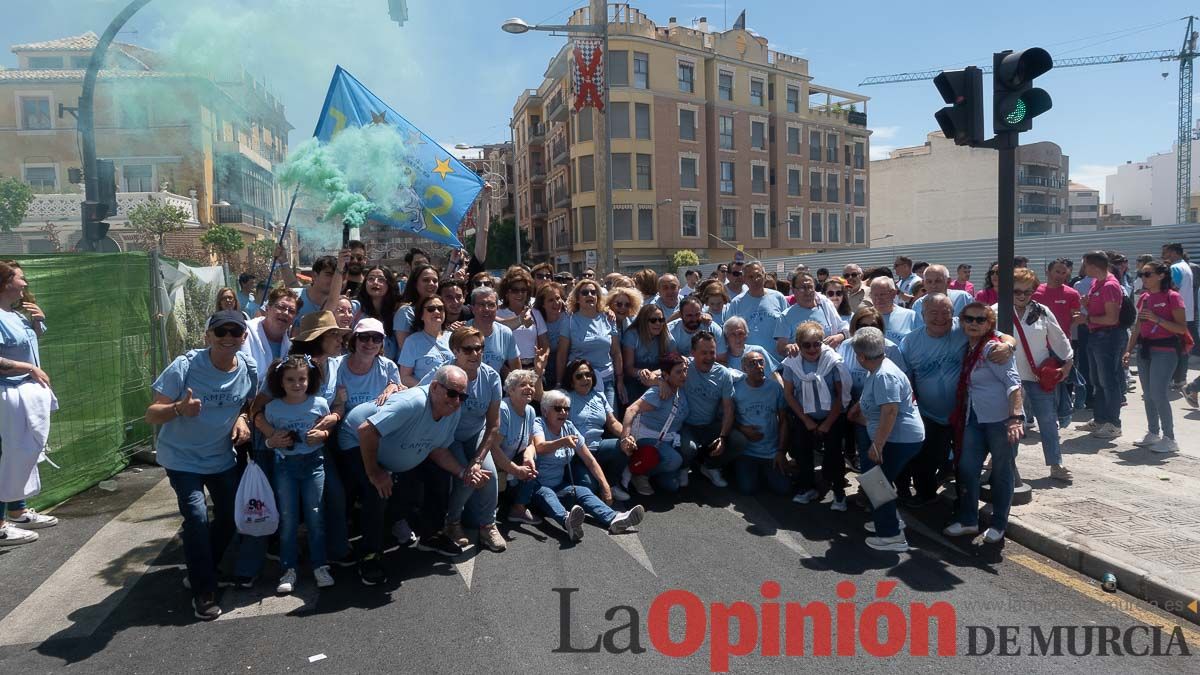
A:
<point x="1020" y="418"/>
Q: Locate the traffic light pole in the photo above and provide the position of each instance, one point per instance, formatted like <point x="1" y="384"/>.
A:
<point x="1006" y="143"/>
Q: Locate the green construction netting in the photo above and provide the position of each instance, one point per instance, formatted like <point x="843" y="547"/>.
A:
<point x="97" y="351"/>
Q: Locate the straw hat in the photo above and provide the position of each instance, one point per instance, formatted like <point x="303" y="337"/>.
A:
<point x="315" y="324"/>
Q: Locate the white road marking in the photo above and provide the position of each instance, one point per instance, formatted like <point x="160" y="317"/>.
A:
<point x="630" y="543"/>
<point x="466" y="569"/>
<point x="80" y="595"/>
<point x="753" y="511"/>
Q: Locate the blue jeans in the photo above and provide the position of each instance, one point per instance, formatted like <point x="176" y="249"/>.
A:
<point x="979" y="440"/>
<point x="252" y="551"/>
<point x="608" y="454"/>
<point x="1155" y="375"/>
<point x="1064" y="400"/>
<point x="482" y="500"/>
<point x="1044" y="406"/>
<point x="751" y="473"/>
<point x="13" y="507"/>
<point x="666" y="474"/>
<point x="895" y="457"/>
<point x="548" y="500"/>
<point x="299" y="489"/>
<point x="1108" y="376"/>
<point x="205" y="540"/>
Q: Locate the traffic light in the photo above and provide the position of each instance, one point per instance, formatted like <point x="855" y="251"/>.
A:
<point x="962" y="120"/>
<point x="1015" y="101"/>
<point x="107" y="194"/>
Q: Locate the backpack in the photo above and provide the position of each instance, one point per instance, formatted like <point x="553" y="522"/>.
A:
<point x="1128" y="314"/>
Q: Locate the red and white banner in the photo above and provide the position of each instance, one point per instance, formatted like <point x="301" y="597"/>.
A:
<point x="587" y="74"/>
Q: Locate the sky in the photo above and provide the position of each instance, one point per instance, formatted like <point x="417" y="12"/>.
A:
<point x="452" y="72"/>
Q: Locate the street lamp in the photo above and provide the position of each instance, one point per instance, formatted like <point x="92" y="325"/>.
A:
<point x="515" y="25"/>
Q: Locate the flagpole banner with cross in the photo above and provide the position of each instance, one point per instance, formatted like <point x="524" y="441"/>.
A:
<point x="444" y="188"/>
<point x="587" y="73"/>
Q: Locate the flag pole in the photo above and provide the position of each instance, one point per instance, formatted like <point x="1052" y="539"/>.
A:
<point x="282" y="236"/>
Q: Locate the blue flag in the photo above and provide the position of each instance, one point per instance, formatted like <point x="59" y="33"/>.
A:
<point x="444" y="186"/>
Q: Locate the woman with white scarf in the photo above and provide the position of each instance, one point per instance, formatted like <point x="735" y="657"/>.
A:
<point x="816" y="387"/>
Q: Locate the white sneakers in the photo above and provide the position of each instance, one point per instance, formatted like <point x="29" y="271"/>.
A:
<point x="805" y="497"/>
<point x="323" y="577"/>
<point x="1148" y="440"/>
<point x="574" y="523"/>
<point x="1089" y="426"/>
<point x="619" y="493"/>
<point x="1107" y="431"/>
<point x="626" y="520"/>
<point x="958" y="530"/>
<point x="1061" y="473"/>
<point x="32" y="520"/>
<point x="1166" y="445"/>
<point x="714" y="475"/>
<point x="11" y="535"/>
<point x="287" y="582"/>
<point x="641" y="485"/>
<point x="897" y="543"/>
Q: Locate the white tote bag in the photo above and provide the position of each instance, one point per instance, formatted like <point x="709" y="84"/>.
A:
<point x="255" y="513"/>
<point x="878" y="488"/>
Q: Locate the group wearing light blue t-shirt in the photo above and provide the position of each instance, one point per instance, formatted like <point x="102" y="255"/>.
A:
<point x="887" y="385"/>
<point x="424" y="353"/>
<point x="762" y="315"/>
<point x="705" y="391"/>
<point x="408" y="433"/>
<point x="516" y="428"/>
<point x="933" y="365"/>
<point x="298" y="418"/>
<point x="759" y="407"/>
<point x="591" y="339"/>
<point x="500" y="347"/>
<point x="482" y="391"/>
<point x="202" y="444"/>
<point x="368" y="386"/>
<point x="683" y="339"/>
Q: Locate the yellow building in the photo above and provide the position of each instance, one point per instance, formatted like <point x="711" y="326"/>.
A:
<point x="208" y="146"/>
<point x="716" y="141"/>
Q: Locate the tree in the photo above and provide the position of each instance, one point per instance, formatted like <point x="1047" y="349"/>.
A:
<point x="261" y="253"/>
<point x="223" y="241"/>
<point x="501" y="244"/>
<point x="154" y="220"/>
<point x="684" y="258"/>
<point x="15" y="198"/>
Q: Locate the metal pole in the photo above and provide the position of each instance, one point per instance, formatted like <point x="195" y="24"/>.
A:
<point x="1006" y="227"/>
<point x="516" y="207"/>
<point x="598" y="10"/>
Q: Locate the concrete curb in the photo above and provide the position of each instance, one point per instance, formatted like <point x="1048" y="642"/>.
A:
<point x="1084" y="559"/>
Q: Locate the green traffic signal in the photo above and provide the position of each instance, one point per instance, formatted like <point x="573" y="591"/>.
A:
<point x="1015" y="99"/>
<point x="1018" y="113"/>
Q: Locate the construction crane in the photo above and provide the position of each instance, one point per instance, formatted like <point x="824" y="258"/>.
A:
<point x="1185" y="55"/>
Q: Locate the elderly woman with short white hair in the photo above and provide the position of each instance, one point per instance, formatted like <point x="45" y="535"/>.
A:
<point x="736" y="331"/>
<point x="517" y="420"/>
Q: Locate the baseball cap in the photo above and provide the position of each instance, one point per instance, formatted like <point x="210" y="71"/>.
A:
<point x="369" y="325"/>
<point x="227" y="316"/>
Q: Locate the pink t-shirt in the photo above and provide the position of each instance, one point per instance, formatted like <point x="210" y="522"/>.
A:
<point x="1062" y="301"/>
<point x="1163" y="304"/>
<point x="987" y="296"/>
<point x="963" y="286"/>
<point x="1101" y="295"/>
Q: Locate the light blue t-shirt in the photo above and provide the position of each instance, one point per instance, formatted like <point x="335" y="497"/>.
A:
<point x="247" y="303"/>
<point x="759" y="407"/>
<point x="18" y="342"/>
<point x="402" y="320"/>
<point x="297" y="417"/>
<point x="761" y="315"/>
<point x="990" y="386"/>
<point x="424" y="354"/>
<point x="889" y="384"/>
<point x="899" y="323"/>
<point x="683" y="339"/>
<point x="705" y="391"/>
<point x="795" y="315"/>
<point x="408" y="432"/>
<point x="481" y="393"/>
<point x="858" y="374"/>
<point x="516" y="431"/>
<point x="500" y="347"/>
<point x="658" y="301"/>
<point x="653" y="421"/>
<point x="645" y="355"/>
<point x="810" y="367"/>
<point x="591" y="339"/>
<point x="552" y="466"/>
<point x="329" y="385"/>
<point x="735" y="362"/>
<point x="589" y="413"/>
<point x="366" y="387"/>
<point x="202" y="444"/>
<point x="959" y="299"/>
<point x="555" y="329"/>
<point x="933" y="364"/>
<point x="306" y="306"/>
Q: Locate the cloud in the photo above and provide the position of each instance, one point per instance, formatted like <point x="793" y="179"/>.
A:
<point x="881" y="151"/>
<point x="884" y="133"/>
<point x="1092" y="175"/>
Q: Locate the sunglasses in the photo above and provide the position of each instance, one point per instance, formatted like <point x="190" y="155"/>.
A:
<point x="235" y="331"/>
<point x="834" y="294"/>
<point x="583" y="376"/>
<point x="810" y="345"/>
<point x="562" y="408"/>
<point x="656" y="319"/>
<point x="735" y="273"/>
<point x="853" y="275"/>
<point x="620" y="305"/>
<point x="1022" y="293"/>
<point x="370" y="337"/>
<point x="1146" y="275"/>
<point x="435" y="308"/>
<point x="974" y="318"/>
<point x="482" y="282"/>
<point x="518" y="289"/>
<point x="471" y="349"/>
<point x="543" y="277"/>
<point x="456" y="394"/>
<point x="587" y="293"/>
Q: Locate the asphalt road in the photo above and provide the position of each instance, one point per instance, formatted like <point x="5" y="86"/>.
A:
<point x="102" y="592"/>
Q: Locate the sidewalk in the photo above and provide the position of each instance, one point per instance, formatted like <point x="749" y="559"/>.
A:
<point x="1130" y="511"/>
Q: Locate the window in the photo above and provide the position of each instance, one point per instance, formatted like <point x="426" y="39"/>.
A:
<point x="846" y="188"/>
<point x="643" y="172"/>
<point x="138" y="177"/>
<point x="618" y="123"/>
<point x="758" y="139"/>
<point x="831" y="148"/>
<point x="43" y="179"/>
<point x="859" y="152"/>
<point x="641" y="119"/>
<point x="814" y="186"/>
<point x="832" y="223"/>
<point x="687" y="77"/>
<point x="860" y="229"/>
<point x="846" y="155"/>
<point x="35" y="112"/>
<point x="758" y="179"/>
<point x="687" y="124"/>
<point x="583" y="125"/>
<point x="618" y="68"/>
<point x="831" y="188"/>
<point x="756" y="91"/>
<point x="725" y="130"/>
<point x="727" y="178"/>
<point x="795" y="227"/>
<point x="814" y="227"/>
<point x="46" y="63"/>
<point x="622" y="176"/>
<point x="793" y="182"/>
<point x="687" y="172"/>
<point x="689" y="221"/>
<point x="759" y="225"/>
<point x="814" y="146"/>
<point x="641" y="70"/>
<point x="793" y="140"/>
<point x="622" y="224"/>
<point x="587" y="175"/>
<point x="729" y="224"/>
<point x="725" y="86"/>
<point x="860" y="192"/>
<point x="645" y="223"/>
<point x="587" y="223"/>
<point x="80" y="62"/>
<point x="793" y="99"/>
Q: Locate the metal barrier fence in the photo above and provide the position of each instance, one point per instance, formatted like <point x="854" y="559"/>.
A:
<point x="979" y="253"/>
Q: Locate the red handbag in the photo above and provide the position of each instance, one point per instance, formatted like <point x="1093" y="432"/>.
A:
<point x="645" y="457"/>
<point x="1046" y="372"/>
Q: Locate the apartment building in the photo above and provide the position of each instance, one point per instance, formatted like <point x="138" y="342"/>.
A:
<point x="717" y="142"/>
<point x="1084" y="205"/>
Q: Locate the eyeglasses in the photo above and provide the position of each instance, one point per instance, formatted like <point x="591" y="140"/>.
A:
<point x="834" y="294"/>
<point x="284" y="308"/>
<point x="620" y="305"/>
<point x="482" y="282"/>
<point x="471" y="349"/>
<point x="587" y="292"/>
<point x="1146" y="275"/>
<point x="456" y="394"/>
<point x="994" y="272"/>
<point x="562" y="408"/>
<point x="853" y="275"/>
<point x="735" y="273"/>
<point x="370" y="337"/>
<point x="435" y="308"/>
<point x="810" y="345"/>
<point x="974" y="318"/>
<point x="1022" y="293"/>
<point x="542" y="276"/>
<point x="235" y="331"/>
<point x="583" y="376"/>
<point x="656" y="319"/>
<point x="518" y="289"/>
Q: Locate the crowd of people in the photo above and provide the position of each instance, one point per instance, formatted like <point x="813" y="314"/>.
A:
<point x="419" y="408"/>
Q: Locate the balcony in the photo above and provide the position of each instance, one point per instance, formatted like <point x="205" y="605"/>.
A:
<point x="1041" y="181"/>
<point x="67" y="207"/>
<point x="537" y="173"/>
<point x="243" y="149"/>
<point x="562" y="238"/>
<point x="562" y="201"/>
<point x="538" y="211"/>
<point x="556" y="110"/>
<point x="537" y="133"/>
<point x="233" y="215"/>
<point x="559" y="154"/>
<point x="1040" y="209"/>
